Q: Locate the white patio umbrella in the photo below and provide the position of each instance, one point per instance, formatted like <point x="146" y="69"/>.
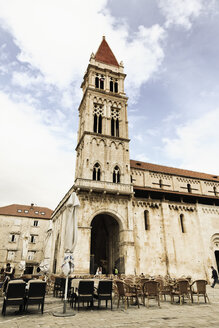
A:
<point x="22" y="264"/>
<point x="45" y="264"/>
<point x="71" y="235"/>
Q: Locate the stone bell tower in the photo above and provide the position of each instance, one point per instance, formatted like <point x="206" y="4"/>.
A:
<point x="103" y="162"/>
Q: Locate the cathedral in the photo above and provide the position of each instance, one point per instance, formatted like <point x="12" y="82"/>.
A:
<point x="136" y="216"/>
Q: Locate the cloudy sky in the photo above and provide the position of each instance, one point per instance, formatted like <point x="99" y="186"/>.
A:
<point x="170" y="50"/>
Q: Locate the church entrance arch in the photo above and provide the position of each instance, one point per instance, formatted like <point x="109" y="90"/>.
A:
<point x="215" y="244"/>
<point x="105" y="240"/>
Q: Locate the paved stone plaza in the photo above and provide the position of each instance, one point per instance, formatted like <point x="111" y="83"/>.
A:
<point x="188" y="316"/>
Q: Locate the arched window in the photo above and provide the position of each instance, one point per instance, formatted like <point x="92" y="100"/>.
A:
<point x="160" y="183"/>
<point x="146" y="220"/>
<point x="116" y="175"/>
<point x="111" y="86"/>
<point x="182" y="222"/>
<point x="215" y="190"/>
<point x="116" y="87"/>
<point x="96" y="172"/>
<point x="95" y="122"/>
<point x="117" y="127"/>
<point x="102" y="83"/>
<point x="112" y="127"/>
<point x="97" y="82"/>
<point x="189" y="187"/>
<point x="100" y="124"/>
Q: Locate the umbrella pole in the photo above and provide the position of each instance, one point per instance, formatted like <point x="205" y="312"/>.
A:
<point x="65" y="297"/>
<point x="64" y="313"/>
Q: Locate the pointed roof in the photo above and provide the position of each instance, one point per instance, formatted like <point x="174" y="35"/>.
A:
<point x="105" y="55"/>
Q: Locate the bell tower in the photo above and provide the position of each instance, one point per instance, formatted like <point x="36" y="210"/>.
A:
<point x="103" y="162"/>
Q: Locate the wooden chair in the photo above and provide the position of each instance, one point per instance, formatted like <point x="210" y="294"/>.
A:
<point x="104" y="292"/>
<point x="200" y="290"/>
<point x="126" y="292"/>
<point x="151" y="290"/>
<point x="36" y="294"/>
<point x="14" y="295"/>
<point x="182" y="290"/>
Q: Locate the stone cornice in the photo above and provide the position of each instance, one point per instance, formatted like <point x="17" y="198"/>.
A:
<point x="100" y="136"/>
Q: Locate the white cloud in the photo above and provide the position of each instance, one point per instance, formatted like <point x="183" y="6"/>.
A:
<point x="57" y="37"/>
<point x="183" y="12"/>
<point x="196" y="144"/>
<point x="36" y="166"/>
<point x="26" y="80"/>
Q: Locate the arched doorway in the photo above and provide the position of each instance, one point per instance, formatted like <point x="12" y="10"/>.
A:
<point x="104" y="243"/>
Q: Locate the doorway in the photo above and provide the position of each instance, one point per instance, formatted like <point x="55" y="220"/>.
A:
<point x="217" y="259"/>
<point x="104" y="243"/>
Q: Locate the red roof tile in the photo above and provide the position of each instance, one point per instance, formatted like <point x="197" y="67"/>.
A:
<point x="172" y="171"/>
<point x="26" y="211"/>
<point x="105" y="55"/>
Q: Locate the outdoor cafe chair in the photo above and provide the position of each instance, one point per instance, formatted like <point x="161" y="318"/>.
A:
<point x="59" y="287"/>
<point x="84" y="293"/>
<point x="151" y="290"/>
<point x="126" y="292"/>
<point x="200" y="290"/>
<point x="104" y="292"/>
<point x="35" y="294"/>
<point x="182" y="290"/>
<point x="14" y="295"/>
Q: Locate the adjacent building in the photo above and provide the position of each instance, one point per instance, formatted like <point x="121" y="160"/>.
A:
<point x="141" y="217"/>
<point x="23" y="230"/>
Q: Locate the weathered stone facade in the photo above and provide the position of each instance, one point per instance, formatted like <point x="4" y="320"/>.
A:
<point x="138" y="216"/>
<point x="19" y="222"/>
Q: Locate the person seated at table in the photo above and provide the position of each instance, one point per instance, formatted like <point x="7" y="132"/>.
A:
<point x="9" y="271"/>
<point x="115" y="271"/>
<point x="99" y="270"/>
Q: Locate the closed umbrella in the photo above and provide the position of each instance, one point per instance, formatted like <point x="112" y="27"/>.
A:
<point x="22" y="264"/>
<point x="70" y="241"/>
<point x="45" y="264"/>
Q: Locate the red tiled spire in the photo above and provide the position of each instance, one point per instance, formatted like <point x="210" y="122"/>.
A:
<point x="105" y="55"/>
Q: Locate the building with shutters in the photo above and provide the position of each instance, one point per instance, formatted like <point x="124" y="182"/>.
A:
<point x="21" y="224"/>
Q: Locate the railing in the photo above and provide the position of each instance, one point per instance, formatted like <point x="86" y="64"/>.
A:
<point x="120" y="188"/>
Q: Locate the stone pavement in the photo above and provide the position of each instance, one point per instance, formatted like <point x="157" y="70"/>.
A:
<point x="169" y="315"/>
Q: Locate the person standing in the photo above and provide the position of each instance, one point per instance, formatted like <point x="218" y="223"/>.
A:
<point x="214" y="276"/>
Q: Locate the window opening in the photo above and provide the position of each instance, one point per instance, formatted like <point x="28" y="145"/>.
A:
<point x="182" y="223"/>
<point x="98" y="112"/>
<point x="102" y="82"/>
<point x="112" y="127"/>
<point x="100" y="124"/>
<point x="32" y="239"/>
<point x="189" y="187"/>
<point x="35" y="223"/>
<point x="95" y="122"/>
<point x="116" y="87"/>
<point x="96" y="172"/>
<point x="117" y="127"/>
<point x="30" y="255"/>
<point x="116" y="175"/>
<point x="215" y="190"/>
<point x="146" y="220"/>
<point x="97" y="82"/>
<point x="111" y="86"/>
<point x="13" y="238"/>
<point x="115" y="122"/>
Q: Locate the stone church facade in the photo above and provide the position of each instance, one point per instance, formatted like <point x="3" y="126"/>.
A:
<point x="141" y="217"/>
